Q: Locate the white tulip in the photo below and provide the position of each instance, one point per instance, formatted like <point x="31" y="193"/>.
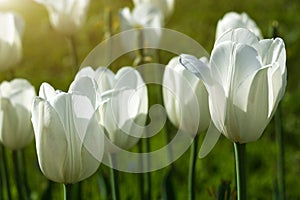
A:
<point x="146" y="17"/>
<point x="66" y="16"/>
<point x="69" y="141"/>
<point x="166" y="6"/>
<point x="246" y="79"/>
<point x="233" y="20"/>
<point x="16" y="98"/>
<point x="11" y="30"/>
<point x="185" y="98"/>
<point x="124" y="104"/>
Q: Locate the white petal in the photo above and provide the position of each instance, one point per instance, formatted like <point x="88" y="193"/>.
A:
<point x="8" y="124"/>
<point x="197" y="67"/>
<point x="85" y="86"/>
<point x="47" y="91"/>
<point x="239" y="35"/>
<point x="105" y="79"/>
<point x="253" y="122"/>
<point x="50" y="140"/>
<point x="85" y="71"/>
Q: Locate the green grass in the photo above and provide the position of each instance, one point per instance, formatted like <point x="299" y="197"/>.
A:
<point x="46" y="58"/>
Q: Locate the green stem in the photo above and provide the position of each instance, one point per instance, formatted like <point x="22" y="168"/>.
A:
<point x="74" y="54"/>
<point x="5" y="166"/>
<point x="1" y="175"/>
<point x="68" y="191"/>
<point x="114" y="179"/>
<point x="192" y="169"/>
<point x="17" y="174"/>
<point x="240" y="167"/>
<point x="24" y="174"/>
<point x="141" y="175"/>
<point x="280" y="155"/>
<point x="148" y="174"/>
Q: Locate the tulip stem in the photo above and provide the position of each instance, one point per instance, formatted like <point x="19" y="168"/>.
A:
<point x="24" y="174"/>
<point x="68" y="191"/>
<point x="280" y="155"/>
<point x="114" y="178"/>
<point x="141" y="175"/>
<point x="148" y="174"/>
<point x="192" y="168"/>
<point x="5" y="166"/>
<point x="240" y="167"/>
<point x="17" y="174"/>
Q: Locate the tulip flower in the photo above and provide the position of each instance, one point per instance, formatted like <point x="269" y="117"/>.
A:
<point x="124" y="104"/>
<point x="246" y="79"/>
<point x="143" y="16"/>
<point x="66" y="16"/>
<point x="11" y="30"/>
<point x="166" y="6"/>
<point x="69" y="141"/>
<point x="16" y="98"/>
<point x="185" y="98"/>
<point x="232" y="20"/>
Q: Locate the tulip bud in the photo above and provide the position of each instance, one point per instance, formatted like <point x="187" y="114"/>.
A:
<point x="66" y="16"/>
<point x="11" y="30"/>
<point x="123" y="105"/>
<point x="246" y="79"/>
<point x="232" y="20"/>
<point x="69" y="141"/>
<point x="16" y="98"/>
<point x="185" y="98"/>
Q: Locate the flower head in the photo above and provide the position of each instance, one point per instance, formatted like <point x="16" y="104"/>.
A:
<point x="246" y="79"/>
<point x="69" y="140"/>
<point x="66" y="16"/>
<point x="11" y="30"/>
<point x="233" y="20"/>
<point x="185" y="98"/>
<point x="123" y="103"/>
<point x="16" y="98"/>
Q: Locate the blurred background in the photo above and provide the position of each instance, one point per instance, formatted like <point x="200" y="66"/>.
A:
<point x="47" y="58"/>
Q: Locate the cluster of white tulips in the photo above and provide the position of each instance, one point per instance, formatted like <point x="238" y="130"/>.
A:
<point x="237" y="88"/>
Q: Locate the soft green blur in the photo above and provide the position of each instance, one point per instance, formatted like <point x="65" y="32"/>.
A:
<point x="47" y="58"/>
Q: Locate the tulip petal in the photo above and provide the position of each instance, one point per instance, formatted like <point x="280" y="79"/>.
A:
<point x="255" y="119"/>
<point x="197" y="67"/>
<point x="85" y="71"/>
<point x="47" y="91"/>
<point x="211" y="138"/>
<point x="85" y="86"/>
<point x="231" y="63"/>
<point x="8" y="124"/>
<point x="105" y="79"/>
<point x="239" y="35"/>
<point x="92" y="148"/>
<point x="51" y="141"/>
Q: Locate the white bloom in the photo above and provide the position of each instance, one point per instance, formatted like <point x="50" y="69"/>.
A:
<point x="69" y="140"/>
<point x="246" y="79"/>
<point x="66" y="16"/>
<point x="232" y="20"/>
<point x="147" y="20"/>
<point x="16" y="98"/>
<point x="124" y="104"/>
<point x="185" y="98"/>
<point x="11" y="30"/>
